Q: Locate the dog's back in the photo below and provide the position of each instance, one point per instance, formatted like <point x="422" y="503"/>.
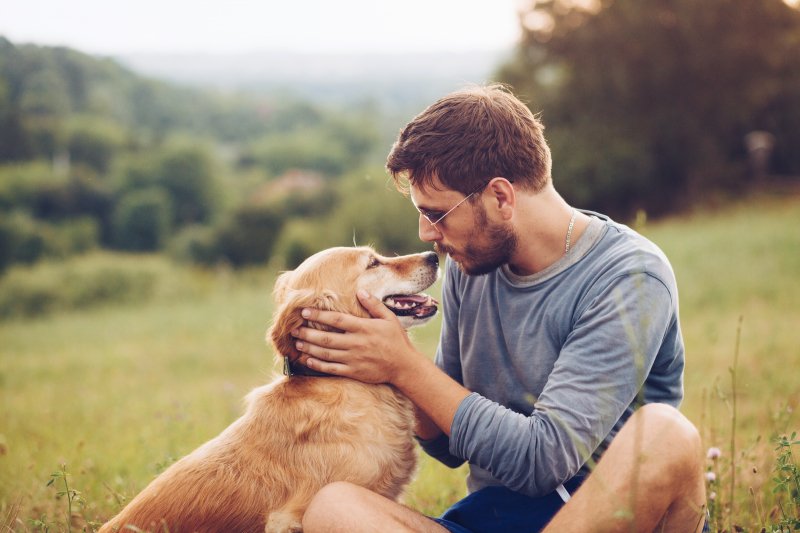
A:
<point x="297" y="435"/>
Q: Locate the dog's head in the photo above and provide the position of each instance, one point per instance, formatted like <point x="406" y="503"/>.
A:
<point x="330" y="279"/>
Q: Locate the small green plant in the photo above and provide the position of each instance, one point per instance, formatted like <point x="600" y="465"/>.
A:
<point x="40" y="524"/>
<point x="74" y="498"/>
<point x="787" y="480"/>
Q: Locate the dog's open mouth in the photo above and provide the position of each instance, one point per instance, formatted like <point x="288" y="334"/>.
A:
<point x="414" y="305"/>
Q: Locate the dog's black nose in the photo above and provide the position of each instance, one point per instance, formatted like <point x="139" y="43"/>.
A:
<point x="432" y="258"/>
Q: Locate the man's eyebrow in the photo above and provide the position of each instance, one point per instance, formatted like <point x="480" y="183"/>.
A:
<point x="425" y="208"/>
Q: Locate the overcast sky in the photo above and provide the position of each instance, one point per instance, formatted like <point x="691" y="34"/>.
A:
<point x="109" y="27"/>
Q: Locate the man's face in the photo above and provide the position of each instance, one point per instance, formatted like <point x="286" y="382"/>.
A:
<point x="477" y="244"/>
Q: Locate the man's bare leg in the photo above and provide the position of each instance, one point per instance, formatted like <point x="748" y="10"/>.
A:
<point x="649" y="479"/>
<point x="346" y="508"/>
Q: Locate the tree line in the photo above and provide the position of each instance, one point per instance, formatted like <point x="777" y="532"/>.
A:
<point x="647" y="105"/>
<point x="92" y="155"/>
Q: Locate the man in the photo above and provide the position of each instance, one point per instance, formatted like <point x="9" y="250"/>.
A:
<point x="558" y="324"/>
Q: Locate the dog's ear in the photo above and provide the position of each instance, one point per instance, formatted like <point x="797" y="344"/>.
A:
<point x="287" y="317"/>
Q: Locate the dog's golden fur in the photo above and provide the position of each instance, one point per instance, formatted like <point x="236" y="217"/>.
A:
<point x="298" y="433"/>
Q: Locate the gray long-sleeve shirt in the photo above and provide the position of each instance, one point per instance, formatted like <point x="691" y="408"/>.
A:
<point x="557" y="361"/>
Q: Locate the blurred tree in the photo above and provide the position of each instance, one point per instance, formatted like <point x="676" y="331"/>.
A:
<point x="300" y="239"/>
<point x="187" y="174"/>
<point x="304" y="150"/>
<point x="196" y="244"/>
<point x="373" y="212"/>
<point x="249" y="234"/>
<point x="142" y="220"/>
<point x="21" y="239"/>
<point x="14" y="143"/>
<point x="647" y="101"/>
<point x="94" y="142"/>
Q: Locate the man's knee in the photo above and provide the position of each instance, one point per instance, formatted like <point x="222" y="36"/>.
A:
<point x="668" y="422"/>
<point x="331" y="501"/>
<point x="668" y="430"/>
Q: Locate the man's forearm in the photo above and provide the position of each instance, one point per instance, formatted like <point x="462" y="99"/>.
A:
<point x="435" y="395"/>
<point x="425" y="428"/>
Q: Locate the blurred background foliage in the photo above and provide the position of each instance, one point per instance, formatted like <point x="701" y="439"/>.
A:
<point x="647" y="105"/>
<point x="647" y="102"/>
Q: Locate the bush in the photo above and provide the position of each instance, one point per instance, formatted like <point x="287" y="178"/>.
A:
<point x="78" y="235"/>
<point x="187" y="175"/>
<point x="49" y="287"/>
<point x="196" y="244"/>
<point x="142" y="220"/>
<point x="94" y="142"/>
<point x="373" y="212"/>
<point x="308" y="150"/>
<point x="26" y="240"/>
<point x="22" y="240"/>
<point x="249" y="235"/>
<point x="299" y="240"/>
<point x="21" y="184"/>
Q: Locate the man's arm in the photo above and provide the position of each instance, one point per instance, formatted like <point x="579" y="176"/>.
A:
<point x="600" y="369"/>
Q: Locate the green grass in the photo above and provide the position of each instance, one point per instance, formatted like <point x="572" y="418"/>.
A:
<point x="117" y="392"/>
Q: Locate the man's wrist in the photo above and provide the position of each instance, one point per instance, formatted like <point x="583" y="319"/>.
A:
<point x="435" y="395"/>
<point x="407" y="375"/>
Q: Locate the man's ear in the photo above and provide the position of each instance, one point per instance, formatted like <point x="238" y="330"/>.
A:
<point x="504" y="198"/>
<point x="287" y="317"/>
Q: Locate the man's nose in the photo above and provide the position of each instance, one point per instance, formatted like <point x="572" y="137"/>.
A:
<point x="427" y="231"/>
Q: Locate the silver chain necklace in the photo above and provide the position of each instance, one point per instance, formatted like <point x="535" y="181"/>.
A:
<point x="568" y="240"/>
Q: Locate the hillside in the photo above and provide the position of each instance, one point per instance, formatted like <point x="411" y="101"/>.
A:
<point x="396" y="82"/>
<point x="114" y="394"/>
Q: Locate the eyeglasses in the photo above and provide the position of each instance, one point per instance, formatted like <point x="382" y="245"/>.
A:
<point x="438" y="220"/>
<point x="429" y="214"/>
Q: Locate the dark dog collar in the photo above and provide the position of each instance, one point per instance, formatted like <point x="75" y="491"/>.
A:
<point x="291" y="368"/>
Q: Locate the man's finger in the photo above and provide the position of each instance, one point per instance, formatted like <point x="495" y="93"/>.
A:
<point x="323" y="339"/>
<point x="323" y="354"/>
<point x="334" y="319"/>
<point x="374" y="306"/>
<point x="319" y="365"/>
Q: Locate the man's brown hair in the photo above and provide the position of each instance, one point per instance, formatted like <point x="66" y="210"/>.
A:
<point x="469" y="137"/>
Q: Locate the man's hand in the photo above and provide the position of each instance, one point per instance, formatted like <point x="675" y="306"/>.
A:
<point x="372" y="350"/>
<point x="378" y="350"/>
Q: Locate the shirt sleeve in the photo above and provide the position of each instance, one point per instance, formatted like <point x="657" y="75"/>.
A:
<point x="439" y="449"/>
<point x="600" y="370"/>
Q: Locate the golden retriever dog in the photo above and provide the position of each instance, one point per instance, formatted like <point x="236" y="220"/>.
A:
<point x="304" y="430"/>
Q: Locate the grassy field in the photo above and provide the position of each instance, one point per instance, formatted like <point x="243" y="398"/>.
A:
<point x="113" y="394"/>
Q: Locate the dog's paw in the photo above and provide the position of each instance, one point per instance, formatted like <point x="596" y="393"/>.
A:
<point x="283" y="522"/>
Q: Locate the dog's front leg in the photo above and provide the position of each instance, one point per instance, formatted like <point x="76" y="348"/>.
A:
<point x="284" y="521"/>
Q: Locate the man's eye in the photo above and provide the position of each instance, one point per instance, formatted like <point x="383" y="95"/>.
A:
<point x="432" y="215"/>
<point x="373" y="263"/>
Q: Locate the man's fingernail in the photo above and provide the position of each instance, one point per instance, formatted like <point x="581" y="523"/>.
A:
<point x="305" y="313"/>
<point x="298" y="345"/>
<point x="363" y="294"/>
<point x="295" y="332"/>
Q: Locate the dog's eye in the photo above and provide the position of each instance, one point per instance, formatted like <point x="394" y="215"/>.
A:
<point x="373" y="263"/>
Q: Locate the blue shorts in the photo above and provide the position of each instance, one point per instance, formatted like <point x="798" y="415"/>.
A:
<point x="494" y="509"/>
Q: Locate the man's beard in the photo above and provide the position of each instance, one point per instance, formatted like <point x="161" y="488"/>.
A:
<point x="488" y="247"/>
